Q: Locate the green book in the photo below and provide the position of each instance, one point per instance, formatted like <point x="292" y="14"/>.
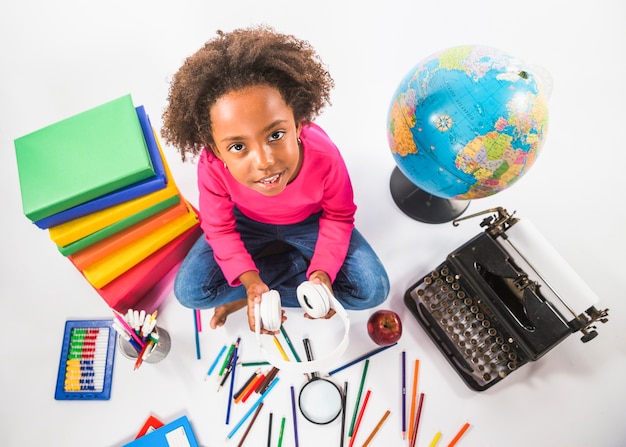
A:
<point x="112" y="229"/>
<point x="81" y="158"/>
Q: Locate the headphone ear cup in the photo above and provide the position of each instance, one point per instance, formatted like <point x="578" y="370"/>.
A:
<point x="270" y="311"/>
<point x="314" y="299"/>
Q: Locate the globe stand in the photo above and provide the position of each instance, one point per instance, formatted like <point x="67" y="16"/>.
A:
<point x="420" y="205"/>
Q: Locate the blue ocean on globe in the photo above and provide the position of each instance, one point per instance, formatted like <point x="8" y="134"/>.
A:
<point x="467" y="122"/>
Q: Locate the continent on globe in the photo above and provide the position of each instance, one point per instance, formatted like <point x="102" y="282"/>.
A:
<point x="467" y="122"/>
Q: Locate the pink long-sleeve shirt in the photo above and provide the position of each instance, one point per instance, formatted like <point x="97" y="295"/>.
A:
<point x="323" y="184"/>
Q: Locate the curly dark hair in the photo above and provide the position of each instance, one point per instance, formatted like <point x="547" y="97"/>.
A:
<point x="231" y="61"/>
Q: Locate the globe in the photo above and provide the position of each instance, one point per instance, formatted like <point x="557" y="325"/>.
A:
<point x="466" y="122"/>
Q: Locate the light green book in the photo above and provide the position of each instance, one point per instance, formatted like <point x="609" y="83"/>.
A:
<point x="81" y="158"/>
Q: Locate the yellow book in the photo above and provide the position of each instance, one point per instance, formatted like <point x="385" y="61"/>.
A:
<point x="69" y="232"/>
<point x="110" y="267"/>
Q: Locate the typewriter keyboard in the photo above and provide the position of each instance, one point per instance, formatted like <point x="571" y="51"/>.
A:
<point x="464" y="328"/>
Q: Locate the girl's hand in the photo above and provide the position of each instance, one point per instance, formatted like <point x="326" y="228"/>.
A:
<point x="255" y="287"/>
<point x="320" y="277"/>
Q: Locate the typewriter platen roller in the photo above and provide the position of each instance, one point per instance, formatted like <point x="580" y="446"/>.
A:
<point x="502" y="299"/>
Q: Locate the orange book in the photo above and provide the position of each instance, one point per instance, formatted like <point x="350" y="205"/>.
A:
<point x="137" y="287"/>
<point x="84" y="258"/>
<point x="110" y="267"/>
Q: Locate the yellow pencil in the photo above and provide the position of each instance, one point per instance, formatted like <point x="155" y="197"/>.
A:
<point x="435" y="440"/>
<point x="280" y="349"/>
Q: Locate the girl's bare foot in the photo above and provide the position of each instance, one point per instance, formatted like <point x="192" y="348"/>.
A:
<point x="222" y="312"/>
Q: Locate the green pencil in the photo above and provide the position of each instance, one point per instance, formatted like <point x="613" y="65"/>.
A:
<point x="280" y="434"/>
<point x="358" y="398"/>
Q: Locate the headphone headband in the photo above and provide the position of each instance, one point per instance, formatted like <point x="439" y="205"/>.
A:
<point x="317" y="300"/>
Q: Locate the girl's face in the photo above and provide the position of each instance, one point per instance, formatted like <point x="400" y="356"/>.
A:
<point x="256" y="137"/>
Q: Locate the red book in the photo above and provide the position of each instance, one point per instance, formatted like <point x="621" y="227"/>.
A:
<point x="134" y="285"/>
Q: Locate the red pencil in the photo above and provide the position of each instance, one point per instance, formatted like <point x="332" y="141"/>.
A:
<point x="358" y="419"/>
<point x="417" y="419"/>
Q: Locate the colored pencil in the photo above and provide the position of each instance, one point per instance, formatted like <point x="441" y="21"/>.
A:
<point x="289" y="344"/>
<point x="361" y="413"/>
<point x="254" y="416"/>
<point x="413" y="397"/>
<point x="418" y="416"/>
<point x="380" y="424"/>
<point x="215" y="362"/>
<point x="232" y="382"/>
<point x="269" y="430"/>
<point x="293" y="415"/>
<point x="280" y="433"/>
<point x="358" y="398"/>
<point x="280" y="349"/>
<point x="197" y="332"/>
<point x="403" y="395"/>
<point x="252" y="408"/>
<point x="459" y="434"/>
<point x="344" y="399"/>
<point x="363" y="357"/>
<point x="435" y="440"/>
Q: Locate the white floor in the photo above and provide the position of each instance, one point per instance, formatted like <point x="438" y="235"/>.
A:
<point x="60" y="58"/>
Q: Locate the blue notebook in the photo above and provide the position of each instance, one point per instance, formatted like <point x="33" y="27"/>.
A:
<point x="141" y="188"/>
<point x="176" y="433"/>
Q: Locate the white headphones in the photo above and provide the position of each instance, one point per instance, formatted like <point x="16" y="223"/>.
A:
<point x="316" y="300"/>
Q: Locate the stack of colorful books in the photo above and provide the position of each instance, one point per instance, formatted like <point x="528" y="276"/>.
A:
<point x="99" y="183"/>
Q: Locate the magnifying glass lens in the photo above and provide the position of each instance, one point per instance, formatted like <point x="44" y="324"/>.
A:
<point x="320" y="401"/>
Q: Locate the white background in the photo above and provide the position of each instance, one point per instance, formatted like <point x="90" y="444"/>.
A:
<point x="60" y="58"/>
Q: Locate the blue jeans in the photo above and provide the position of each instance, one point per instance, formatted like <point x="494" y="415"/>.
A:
<point x="361" y="283"/>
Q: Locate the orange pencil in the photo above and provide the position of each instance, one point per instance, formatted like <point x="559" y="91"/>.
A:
<point x="255" y="383"/>
<point x="459" y="434"/>
<point x="413" y="396"/>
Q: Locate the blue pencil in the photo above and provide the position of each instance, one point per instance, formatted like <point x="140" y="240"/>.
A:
<point x="252" y="408"/>
<point x="403" y="394"/>
<point x="293" y="412"/>
<point x="197" y="329"/>
<point x="217" y="359"/>
<point x="363" y="357"/>
<point x="232" y="382"/>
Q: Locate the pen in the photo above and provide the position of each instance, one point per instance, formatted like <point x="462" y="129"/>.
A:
<point x="131" y="332"/>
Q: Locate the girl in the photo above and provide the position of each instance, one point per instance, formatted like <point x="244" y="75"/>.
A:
<point x="276" y="202"/>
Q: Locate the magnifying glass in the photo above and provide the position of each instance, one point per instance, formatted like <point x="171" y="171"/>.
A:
<point x="320" y="400"/>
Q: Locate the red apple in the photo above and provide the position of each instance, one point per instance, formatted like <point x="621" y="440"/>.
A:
<point x="384" y="327"/>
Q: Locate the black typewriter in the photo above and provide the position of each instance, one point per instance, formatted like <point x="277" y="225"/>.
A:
<point x="490" y="308"/>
